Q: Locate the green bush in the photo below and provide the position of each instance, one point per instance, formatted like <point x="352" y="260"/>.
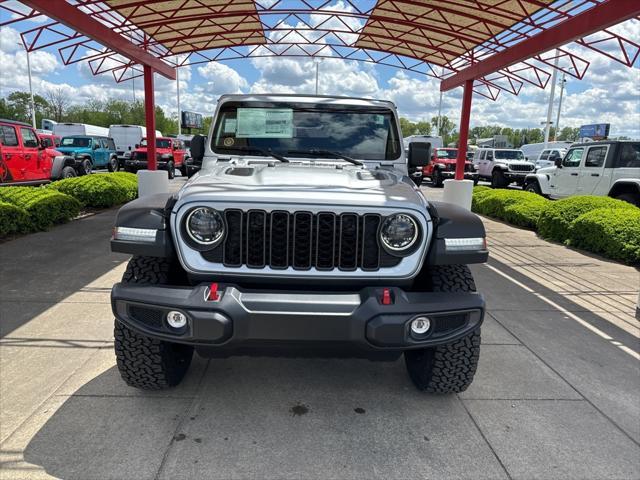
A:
<point x="613" y="232"/>
<point x="43" y="205"/>
<point x="514" y="206"/>
<point x="556" y="219"/>
<point x="13" y="219"/>
<point x="128" y="181"/>
<point x="98" y="190"/>
<point x="479" y="192"/>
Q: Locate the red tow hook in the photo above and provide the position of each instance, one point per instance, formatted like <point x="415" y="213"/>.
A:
<point x="213" y="296"/>
<point x="386" y="297"/>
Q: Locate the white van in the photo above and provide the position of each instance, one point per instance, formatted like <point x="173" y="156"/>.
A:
<point x="532" y="151"/>
<point x="72" y="129"/>
<point x="126" y="137"/>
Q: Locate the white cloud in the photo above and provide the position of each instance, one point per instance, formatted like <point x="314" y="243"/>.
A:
<point x="221" y="79"/>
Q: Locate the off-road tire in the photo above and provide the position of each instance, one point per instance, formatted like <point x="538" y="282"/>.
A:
<point x="448" y="368"/>
<point x="183" y="170"/>
<point x="85" y="167"/>
<point x="68" y="172"/>
<point x="437" y="179"/>
<point x="632" y="198"/>
<point x="498" y="180"/>
<point x="475" y="181"/>
<point x="171" y="168"/>
<point x="533" y="187"/>
<point x="112" y="166"/>
<point x="145" y="362"/>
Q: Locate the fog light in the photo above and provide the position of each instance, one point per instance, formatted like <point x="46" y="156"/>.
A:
<point x="420" y="325"/>
<point x="176" y="319"/>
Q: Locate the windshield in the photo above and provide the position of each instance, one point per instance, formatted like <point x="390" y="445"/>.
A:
<point x="359" y="133"/>
<point x="76" y="142"/>
<point x="442" y="153"/>
<point x="160" y="143"/>
<point x="509" y="155"/>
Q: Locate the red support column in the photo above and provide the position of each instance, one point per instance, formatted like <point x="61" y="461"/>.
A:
<point x="464" y="129"/>
<point x="150" y="115"/>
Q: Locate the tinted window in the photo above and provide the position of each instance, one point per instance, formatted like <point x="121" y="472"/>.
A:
<point x="300" y="129"/>
<point x="46" y="141"/>
<point x="544" y="155"/>
<point x="573" y="157"/>
<point x="595" y="157"/>
<point x="509" y="155"/>
<point x="29" y="138"/>
<point x="160" y="143"/>
<point x="629" y="156"/>
<point x="446" y="153"/>
<point x="110" y="144"/>
<point x="81" y="142"/>
<point x="8" y="136"/>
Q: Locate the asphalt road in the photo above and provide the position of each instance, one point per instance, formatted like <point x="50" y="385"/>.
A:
<point x="556" y="395"/>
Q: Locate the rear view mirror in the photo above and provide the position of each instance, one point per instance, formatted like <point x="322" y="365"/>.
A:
<point x="197" y="147"/>
<point x="558" y="162"/>
<point x="419" y="154"/>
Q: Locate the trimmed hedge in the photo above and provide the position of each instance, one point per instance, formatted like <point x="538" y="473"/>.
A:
<point x="13" y="219"/>
<point x="597" y="224"/>
<point x="43" y="205"/>
<point x="613" y="232"/>
<point x="556" y="219"/>
<point x="514" y="206"/>
<point x="99" y="190"/>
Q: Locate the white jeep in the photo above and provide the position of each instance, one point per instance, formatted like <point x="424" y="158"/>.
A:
<point x="596" y="168"/>
<point x="502" y="166"/>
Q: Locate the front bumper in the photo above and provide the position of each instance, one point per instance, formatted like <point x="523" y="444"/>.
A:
<point x="132" y="163"/>
<point x="467" y="175"/>
<point x="517" y="176"/>
<point x="241" y="320"/>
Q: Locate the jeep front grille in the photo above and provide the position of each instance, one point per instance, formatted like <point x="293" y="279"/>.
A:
<point x="301" y="240"/>
<point x="521" y="167"/>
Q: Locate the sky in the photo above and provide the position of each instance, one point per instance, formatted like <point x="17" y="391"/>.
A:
<point x="609" y="93"/>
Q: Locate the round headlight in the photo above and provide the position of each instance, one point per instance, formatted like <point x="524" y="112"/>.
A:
<point x="399" y="232"/>
<point x="205" y="226"/>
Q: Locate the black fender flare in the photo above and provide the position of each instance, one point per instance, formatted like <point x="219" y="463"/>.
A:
<point x="452" y="221"/>
<point x="59" y="163"/>
<point x="149" y="212"/>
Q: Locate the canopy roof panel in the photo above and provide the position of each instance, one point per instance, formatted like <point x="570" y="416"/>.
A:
<point x="439" y="38"/>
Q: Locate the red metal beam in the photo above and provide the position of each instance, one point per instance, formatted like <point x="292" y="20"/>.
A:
<point x="150" y="117"/>
<point x="81" y="22"/>
<point x="595" y="19"/>
<point x="464" y="129"/>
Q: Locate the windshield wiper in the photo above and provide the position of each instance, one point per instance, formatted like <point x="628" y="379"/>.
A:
<point x="266" y="153"/>
<point x="315" y="151"/>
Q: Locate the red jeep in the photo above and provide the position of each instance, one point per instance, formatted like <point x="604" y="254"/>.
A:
<point x="170" y="155"/>
<point x="25" y="160"/>
<point x="443" y="166"/>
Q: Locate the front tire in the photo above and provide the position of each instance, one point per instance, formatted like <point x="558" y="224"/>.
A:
<point x="437" y="178"/>
<point x="632" y="198"/>
<point x="68" y="172"/>
<point x="112" y="166"/>
<point x="533" y="187"/>
<point x="498" y="180"/>
<point x="447" y="368"/>
<point x="171" y="169"/>
<point x="145" y="362"/>
<point x="85" y="167"/>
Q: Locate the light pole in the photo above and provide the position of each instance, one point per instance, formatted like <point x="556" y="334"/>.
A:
<point x="317" y="62"/>
<point x="551" y="95"/>
<point x="439" y="111"/>
<point x="562" y="82"/>
<point x="178" y="98"/>
<point x="33" y="104"/>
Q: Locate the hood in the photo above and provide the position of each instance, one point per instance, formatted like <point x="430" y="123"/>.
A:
<point x="311" y="183"/>
<point x="69" y="150"/>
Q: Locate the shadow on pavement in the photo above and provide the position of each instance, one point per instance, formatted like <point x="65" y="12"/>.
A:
<point x="42" y="269"/>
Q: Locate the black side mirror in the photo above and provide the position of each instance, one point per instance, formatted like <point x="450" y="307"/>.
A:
<point x="96" y="146"/>
<point x="419" y="154"/>
<point x="41" y="145"/>
<point x="135" y="146"/>
<point x="197" y="147"/>
<point x="558" y="162"/>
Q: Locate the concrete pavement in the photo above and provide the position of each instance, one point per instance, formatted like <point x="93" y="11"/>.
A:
<point x="556" y="394"/>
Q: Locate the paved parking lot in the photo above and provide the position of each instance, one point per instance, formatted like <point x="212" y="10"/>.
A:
<point x="557" y="394"/>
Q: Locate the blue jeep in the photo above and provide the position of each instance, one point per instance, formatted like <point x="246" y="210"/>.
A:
<point x="90" y="152"/>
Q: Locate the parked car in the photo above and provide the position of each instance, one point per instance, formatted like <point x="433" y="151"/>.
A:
<point x="90" y="153"/>
<point x="548" y="157"/>
<point x="170" y="155"/>
<point x="443" y="166"/>
<point x="127" y="138"/>
<point x="293" y="241"/>
<point x="25" y="160"/>
<point x="532" y="151"/>
<point x="610" y="168"/>
<point x="48" y="139"/>
<point x="502" y="166"/>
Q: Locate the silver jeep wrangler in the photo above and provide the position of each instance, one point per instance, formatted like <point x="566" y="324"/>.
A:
<point x="302" y="235"/>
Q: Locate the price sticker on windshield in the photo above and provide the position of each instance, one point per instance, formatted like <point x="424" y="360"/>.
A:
<point x="265" y="123"/>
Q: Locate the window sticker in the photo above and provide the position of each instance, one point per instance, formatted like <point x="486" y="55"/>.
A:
<point x="265" y="123"/>
<point x="230" y="125"/>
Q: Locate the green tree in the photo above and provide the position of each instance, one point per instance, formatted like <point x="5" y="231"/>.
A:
<point x="447" y="127"/>
<point x="19" y="104"/>
<point x="569" y="133"/>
